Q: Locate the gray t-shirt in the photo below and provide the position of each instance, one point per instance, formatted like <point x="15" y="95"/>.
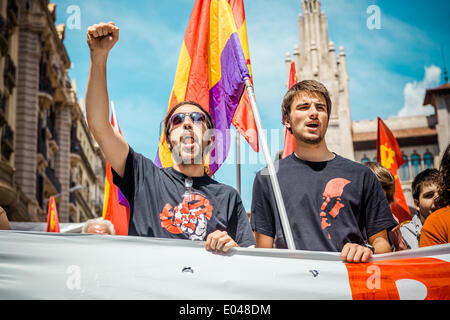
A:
<point x="164" y="203"/>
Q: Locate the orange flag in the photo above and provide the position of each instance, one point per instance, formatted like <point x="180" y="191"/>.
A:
<point x="289" y="140"/>
<point x="243" y="119"/>
<point x="52" y="216"/>
<point x="390" y="157"/>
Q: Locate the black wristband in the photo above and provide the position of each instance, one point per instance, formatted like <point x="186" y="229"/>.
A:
<point x="367" y="245"/>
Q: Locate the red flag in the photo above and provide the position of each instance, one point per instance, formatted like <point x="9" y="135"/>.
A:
<point x="390" y="157"/>
<point x="52" y="216"/>
<point x="243" y="119"/>
<point x="115" y="206"/>
<point x="289" y="140"/>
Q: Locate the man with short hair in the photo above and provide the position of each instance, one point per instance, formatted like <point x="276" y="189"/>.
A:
<point x="436" y="229"/>
<point x="333" y="204"/>
<point x="424" y="192"/>
<point x="182" y="201"/>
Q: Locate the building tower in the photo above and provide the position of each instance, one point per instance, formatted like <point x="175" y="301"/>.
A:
<point x="315" y="58"/>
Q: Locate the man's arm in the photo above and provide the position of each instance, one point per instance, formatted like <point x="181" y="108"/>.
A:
<point x="263" y="241"/>
<point x="353" y="252"/>
<point x="380" y="242"/>
<point x="101" y="38"/>
<point x="219" y="241"/>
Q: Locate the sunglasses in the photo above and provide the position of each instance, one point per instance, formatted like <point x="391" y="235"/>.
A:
<point x="196" y="117"/>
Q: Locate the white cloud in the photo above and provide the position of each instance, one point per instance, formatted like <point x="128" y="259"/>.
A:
<point x="414" y="93"/>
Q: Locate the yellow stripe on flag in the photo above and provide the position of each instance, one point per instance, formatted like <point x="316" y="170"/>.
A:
<point x="221" y="27"/>
<point x="182" y="74"/>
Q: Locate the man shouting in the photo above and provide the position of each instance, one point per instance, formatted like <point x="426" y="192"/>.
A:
<point x="333" y="204"/>
<point x="178" y="202"/>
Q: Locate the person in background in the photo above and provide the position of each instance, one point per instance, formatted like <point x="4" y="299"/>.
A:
<point x="98" y="226"/>
<point x="424" y="191"/>
<point x="436" y="229"/>
<point x="4" y="222"/>
<point x="387" y="181"/>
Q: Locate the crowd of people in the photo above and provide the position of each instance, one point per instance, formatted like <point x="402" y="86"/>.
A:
<point x="332" y="203"/>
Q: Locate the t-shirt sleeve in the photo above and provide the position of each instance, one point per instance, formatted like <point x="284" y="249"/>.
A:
<point x="262" y="215"/>
<point x="378" y="215"/>
<point x="433" y="231"/>
<point x="137" y="167"/>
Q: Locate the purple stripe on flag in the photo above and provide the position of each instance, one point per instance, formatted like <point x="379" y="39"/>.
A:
<point x="122" y="200"/>
<point x="224" y="98"/>
<point x="157" y="160"/>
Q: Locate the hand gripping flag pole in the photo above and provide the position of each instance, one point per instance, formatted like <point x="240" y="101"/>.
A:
<point x="271" y="167"/>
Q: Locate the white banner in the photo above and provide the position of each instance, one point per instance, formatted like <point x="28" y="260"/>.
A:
<point x="77" y="266"/>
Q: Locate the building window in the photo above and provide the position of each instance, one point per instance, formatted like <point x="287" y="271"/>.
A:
<point x="405" y="169"/>
<point x="365" y="159"/>
<point x="428" y="160"/>
<point x="415" y="162"/>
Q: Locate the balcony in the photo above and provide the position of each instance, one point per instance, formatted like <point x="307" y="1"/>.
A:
<point x="75" y="153"/>
<point x="51" y="133"/>
<point x="9" y="73"/>
<point x="42" y="148"/>
<point x="2" y="109"/>
<point x="7" y="190"/>
<point x="7" y="146"/>
<point x="52" y="184"/>
<point x="45" y="91"/>
<point x="40" y="191"/>
<point x="13" y="11"/>
<point x="3" y="36"/>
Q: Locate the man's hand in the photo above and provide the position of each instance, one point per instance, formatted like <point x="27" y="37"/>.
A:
<point x="102" y="37"/>
<point x="219" y="241"/>
<point x="353" y="252"/>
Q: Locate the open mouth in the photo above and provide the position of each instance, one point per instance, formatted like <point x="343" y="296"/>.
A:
<point x="188" y="139"/>
<point x="313" y="125"/>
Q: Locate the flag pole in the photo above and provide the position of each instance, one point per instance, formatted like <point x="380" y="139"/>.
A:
<point x="271" y="167"/>
<point x="238" y="162"/>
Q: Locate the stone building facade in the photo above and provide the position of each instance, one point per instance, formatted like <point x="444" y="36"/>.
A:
<point x="40" y="109"/>
<point x="422" y="139"/>
<point x="315" y="58"/>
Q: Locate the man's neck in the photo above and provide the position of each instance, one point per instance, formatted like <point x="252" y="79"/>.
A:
<point x="313" y="152"/>
<point x="190" y="170"/>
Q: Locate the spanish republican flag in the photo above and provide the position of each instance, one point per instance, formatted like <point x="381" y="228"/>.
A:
<point x="390" y="157"/>
<point x="52" y="216"/>
<point x="115" y="205"/>
<point x="289" y="140"/>
<point x="243" y="119"/>
<point x="211" y="71"/>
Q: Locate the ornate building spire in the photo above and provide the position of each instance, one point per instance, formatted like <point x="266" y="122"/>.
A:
<point x="315" y="58"/>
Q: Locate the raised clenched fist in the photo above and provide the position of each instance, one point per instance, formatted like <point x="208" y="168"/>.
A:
<point x="102" y="37"/>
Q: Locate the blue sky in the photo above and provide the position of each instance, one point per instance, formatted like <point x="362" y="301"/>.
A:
<point x="389" y="68"/>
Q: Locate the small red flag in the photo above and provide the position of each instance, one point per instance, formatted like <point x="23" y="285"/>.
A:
<point x="52" y="216"/>
<point x="390" y="157"/>
<point x="289" y="140"/>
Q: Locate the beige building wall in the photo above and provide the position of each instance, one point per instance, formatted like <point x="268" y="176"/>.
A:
<point x="87" y="170"/>
<point x="40" y="108"/>
<point x="8" y="99"/>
